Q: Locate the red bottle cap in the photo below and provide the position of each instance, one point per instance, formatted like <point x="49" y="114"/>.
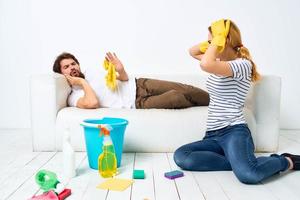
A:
<point x="64" y="194"/>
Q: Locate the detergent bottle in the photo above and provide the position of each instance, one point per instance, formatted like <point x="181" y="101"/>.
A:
<point x="107" y="161"/>
<point x="68" y="156"/>
<point x="47" y="180"/>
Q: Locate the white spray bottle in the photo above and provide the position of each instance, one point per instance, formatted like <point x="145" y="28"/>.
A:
<point x="68" y="155"/>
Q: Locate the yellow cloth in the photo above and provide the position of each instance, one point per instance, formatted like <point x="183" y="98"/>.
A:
<point x="115" y="184"/>
<point x="203" y="46"/>
<point x="219" y="33"/>
<point x="111" y="76"/>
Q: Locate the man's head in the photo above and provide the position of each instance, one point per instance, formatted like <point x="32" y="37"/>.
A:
<point x="67" y="64"/>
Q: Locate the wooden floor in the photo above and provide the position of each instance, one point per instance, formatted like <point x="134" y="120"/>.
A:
<point x="19" y="165"/>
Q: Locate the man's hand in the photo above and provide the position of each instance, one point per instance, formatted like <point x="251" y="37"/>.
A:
<point x="115" y="61"/>
<point x="74" y="80"/>
<point x="122" y="75"/>
<point x="90" y="99"/>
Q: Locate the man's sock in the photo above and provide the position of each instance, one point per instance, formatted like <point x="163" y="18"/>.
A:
<point x="295" y="159"/>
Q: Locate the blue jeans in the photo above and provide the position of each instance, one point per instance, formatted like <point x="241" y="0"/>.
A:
<point x="229" y="148"/>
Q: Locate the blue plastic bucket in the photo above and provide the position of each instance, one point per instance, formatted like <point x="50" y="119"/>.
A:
<point x="93" y="140"/>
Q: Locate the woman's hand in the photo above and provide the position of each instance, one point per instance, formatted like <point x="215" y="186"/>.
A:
<point x="220" y="30"/>
<point x="198" y="50"/>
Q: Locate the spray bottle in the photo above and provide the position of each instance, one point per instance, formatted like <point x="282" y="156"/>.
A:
<point x="68" y="156"/>
<point x="107" y="161"/>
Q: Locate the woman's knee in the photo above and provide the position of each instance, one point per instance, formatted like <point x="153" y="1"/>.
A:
<point x="184" y="160"/>
<point x="249" y="177"/>
<point x="179" y="156"/>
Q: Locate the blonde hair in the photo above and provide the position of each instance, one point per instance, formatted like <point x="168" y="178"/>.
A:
<point x="235" y="41"/>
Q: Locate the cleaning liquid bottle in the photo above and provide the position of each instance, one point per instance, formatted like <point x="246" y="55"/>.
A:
<point x="47" y="180"/>
<point x="68" y="155"/>
<point x="107" y="161"/>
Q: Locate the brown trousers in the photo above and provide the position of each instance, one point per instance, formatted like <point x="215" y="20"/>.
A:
<point x="151" y="93"/>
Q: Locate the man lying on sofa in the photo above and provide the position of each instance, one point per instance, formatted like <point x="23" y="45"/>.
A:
<point x="90" y="91"/>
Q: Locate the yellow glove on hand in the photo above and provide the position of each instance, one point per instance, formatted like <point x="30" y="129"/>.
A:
<point x="203" y="46"/>
<point x="111" y="76"/>
<point x="219" y="32"/>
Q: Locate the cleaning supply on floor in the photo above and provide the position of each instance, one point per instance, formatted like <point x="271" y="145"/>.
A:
<point x="46" y="196"/>
<point x="64" y="194"/>
<point x="107" y="161"/>
<point x="47" y="180"/>
<point x="94" y="143"/>
<point x="115" y="184"/>
<point x="138" y="174"/>
<point x="68" y="155"/>
<point x="51" y="195"/>
<point x="59" y="188"/>
<point x="173" y="174"/>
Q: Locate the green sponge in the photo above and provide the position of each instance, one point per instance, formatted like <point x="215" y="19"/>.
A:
<point x="138" y="174"/>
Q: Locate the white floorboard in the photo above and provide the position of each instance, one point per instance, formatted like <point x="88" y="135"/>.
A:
<point x="143" y="188"/>
<point x="83" y="186"/>
<point x="18" y="166"/>
<point x="187" y="187"/>
<point x="209" y="186"/>
<point x="286" y="185"/>
<point x="231" y="185"/>
<point x="20" y="176"/>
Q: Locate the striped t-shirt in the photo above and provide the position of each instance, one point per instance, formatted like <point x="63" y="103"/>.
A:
<point x="227" y="95"/>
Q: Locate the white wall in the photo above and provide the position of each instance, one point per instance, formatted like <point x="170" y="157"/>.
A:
<point x="149" y="36"/>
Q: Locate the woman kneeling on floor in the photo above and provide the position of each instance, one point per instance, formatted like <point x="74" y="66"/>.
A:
<point x="228" y="143"/>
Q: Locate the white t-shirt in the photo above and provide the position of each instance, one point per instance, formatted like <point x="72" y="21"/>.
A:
<point x="122" y="97"/>
<point x="227" y="95"/>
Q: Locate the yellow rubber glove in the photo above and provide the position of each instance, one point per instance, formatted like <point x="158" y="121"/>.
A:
<point x="219" y="33"/>
<point x="203" y="46"/>
<point x="111" y="76"/>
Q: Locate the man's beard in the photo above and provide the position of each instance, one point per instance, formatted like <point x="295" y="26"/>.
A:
<point x="77" y="73"/>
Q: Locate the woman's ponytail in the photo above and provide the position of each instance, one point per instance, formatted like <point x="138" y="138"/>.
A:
<point x="243" y="52"/>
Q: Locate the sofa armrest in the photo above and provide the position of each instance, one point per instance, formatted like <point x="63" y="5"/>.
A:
<point x="266" y="109"/>
<point x="48" y="93"/>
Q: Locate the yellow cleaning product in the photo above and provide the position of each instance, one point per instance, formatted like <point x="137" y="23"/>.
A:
<point x="111" y="76"/>
<point x="107" y="161"/>
<point x="203" y="46"/>
<point x="220" y="30"/>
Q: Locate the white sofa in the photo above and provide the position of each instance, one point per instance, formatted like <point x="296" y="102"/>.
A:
<point x="149" y="130"/>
